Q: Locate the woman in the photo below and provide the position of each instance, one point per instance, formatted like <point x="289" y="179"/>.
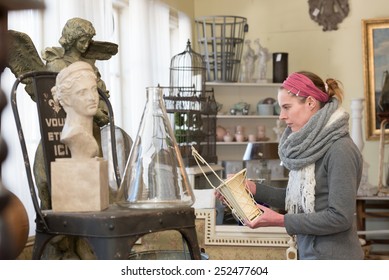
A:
<point x="76" y="91"/>
<point x="325" y="170"/>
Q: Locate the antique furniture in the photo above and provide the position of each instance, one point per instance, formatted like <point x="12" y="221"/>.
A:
<point x="373" y="209"/>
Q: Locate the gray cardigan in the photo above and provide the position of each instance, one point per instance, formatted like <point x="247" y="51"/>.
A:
<point x="330" y="232"/>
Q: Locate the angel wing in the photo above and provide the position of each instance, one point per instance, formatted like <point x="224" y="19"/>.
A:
<point x="99" y="50"/>
<point x="23" y="57"/>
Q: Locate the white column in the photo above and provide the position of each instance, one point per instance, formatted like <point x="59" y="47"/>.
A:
<point x="356" y="116"/>
<point x="365" y="188"/>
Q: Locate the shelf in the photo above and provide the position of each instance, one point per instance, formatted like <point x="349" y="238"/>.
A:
<point x="280" y="179"/>
<point x="243" y="84"/>
<point x="196" y="170"/>
<point x="228" y="94"/>
<point x="225" y="116"/>
<point x="241" y="143"/>
<point x="373" y="197"/>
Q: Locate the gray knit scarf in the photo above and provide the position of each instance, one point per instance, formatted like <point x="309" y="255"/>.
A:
<point x="300" y="150"/>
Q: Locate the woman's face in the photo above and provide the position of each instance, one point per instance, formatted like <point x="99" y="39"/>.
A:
<point x="84" y="98"/>
<point x="82" y="43"/>
<point x="295" y="113"/>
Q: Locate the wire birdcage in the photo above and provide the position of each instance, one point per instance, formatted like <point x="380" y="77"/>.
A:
<point x="193" y="108"/>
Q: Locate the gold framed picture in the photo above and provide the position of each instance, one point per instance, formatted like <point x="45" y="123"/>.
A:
<point x="375" y="36"/>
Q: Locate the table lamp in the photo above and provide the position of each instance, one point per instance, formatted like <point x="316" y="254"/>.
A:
<point x="263" y="152"/>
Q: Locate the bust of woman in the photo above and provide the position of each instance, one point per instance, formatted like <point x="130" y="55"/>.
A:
<point x="76" y="91"/>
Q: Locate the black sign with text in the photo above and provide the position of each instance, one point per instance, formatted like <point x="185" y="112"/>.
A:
<point x="52" y="119"/>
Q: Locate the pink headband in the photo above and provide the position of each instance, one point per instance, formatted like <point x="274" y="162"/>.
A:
<point x="301" y="85"/>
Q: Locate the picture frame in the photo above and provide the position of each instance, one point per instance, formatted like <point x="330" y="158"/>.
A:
<point x="375" y="37"/>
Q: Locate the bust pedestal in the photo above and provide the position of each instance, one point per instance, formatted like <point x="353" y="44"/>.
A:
<point x="79" y="185"/>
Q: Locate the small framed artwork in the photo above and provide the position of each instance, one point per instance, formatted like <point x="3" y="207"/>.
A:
<point x="375" y="37"/>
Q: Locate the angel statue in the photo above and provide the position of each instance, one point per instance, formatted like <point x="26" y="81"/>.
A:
<point x="77" y="44"/>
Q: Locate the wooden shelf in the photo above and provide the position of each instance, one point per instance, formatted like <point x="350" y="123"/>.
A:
<point x="377" y="209"/>
<point x="275" y="85"/>
<point x="242" y="143"/>
<point x="222" y="116"/>
<point x="229" y="94"/>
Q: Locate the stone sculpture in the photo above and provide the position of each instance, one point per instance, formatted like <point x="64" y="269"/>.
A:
<point x="77" y="44"/>
<point x="72" y="187"/>
<point x="76" y="92"/>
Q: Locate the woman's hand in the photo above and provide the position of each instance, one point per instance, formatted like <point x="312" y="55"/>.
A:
<point x="269" y="218"/>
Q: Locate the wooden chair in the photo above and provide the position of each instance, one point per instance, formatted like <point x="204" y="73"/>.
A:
<point x="110" y="233"/>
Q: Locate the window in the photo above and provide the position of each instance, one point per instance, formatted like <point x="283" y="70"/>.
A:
<point x="148" y="33"/>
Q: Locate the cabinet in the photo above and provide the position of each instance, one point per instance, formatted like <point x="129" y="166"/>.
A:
<point x="372" y="224"/>
<point x="229" y="94"/>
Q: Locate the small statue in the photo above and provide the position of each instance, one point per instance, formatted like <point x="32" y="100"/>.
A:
<point x="249" y="63"/>
<point x="279" y="129"/>
<point x="261" y="133"/>
<point x="239" y="133"/>
<point x="76" y="91"/>
<point x="263" y="56"/>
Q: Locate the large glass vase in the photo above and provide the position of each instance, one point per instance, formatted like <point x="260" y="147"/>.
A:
<point x="155" y="176"/>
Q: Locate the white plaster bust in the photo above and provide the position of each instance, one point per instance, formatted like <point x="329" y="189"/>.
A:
<point x="76" y="91"/>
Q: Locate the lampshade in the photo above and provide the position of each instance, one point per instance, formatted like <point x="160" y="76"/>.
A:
<point x="258" y="151"/>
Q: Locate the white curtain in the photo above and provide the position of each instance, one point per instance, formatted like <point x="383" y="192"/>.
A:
<point x="13" y="173"/>
<point x="148" y="56"/>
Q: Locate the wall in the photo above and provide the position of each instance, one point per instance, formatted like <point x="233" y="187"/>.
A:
<point x="285" y="26"/>
<point x="186" y="7"/>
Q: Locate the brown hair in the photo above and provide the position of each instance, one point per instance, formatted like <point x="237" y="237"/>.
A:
<point x="332" y="89"/>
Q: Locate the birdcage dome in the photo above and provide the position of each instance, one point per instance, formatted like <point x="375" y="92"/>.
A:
<point x="187" y="69"/>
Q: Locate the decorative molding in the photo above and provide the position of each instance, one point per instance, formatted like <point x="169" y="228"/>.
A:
<point x="240" y="235"/>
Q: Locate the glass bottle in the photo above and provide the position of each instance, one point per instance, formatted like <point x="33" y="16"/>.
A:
<point x="155" y="175"/>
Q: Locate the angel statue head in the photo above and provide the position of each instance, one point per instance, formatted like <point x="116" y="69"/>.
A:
<point x="76" y="91"/>
<point x="77" y="33"/>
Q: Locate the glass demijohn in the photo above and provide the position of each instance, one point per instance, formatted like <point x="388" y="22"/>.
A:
<point x="155" y="176"/>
